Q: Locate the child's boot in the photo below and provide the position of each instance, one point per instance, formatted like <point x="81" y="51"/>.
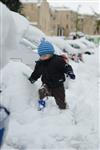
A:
<point x="41" y="104"/>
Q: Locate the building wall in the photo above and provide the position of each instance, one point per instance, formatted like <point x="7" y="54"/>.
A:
<point x="62" y="22"/>
<point x="89" y="24"/>
<point x="57" y="21"/>
<point x="44" y="17"/>
<point x="30" y="11"/>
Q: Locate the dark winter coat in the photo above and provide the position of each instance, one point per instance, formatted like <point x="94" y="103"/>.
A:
<point x="51" y="71"/>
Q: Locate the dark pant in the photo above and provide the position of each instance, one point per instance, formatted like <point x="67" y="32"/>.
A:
<point x="58" y="93"/>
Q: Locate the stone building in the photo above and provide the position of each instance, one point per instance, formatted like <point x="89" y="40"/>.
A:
<point x="58" y="21"/>
<point x="31" y="12"/>
<point x="89" y="24"/>
<point x="62" y="20"/>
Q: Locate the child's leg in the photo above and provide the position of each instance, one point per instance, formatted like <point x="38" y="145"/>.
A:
<point x="43" y="92"/>
<point x="59" y="95"/>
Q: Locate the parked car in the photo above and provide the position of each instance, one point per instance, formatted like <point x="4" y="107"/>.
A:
<point x="90" y="45"/>
<point x="63" y="45"/>
<point x="79" y="46"/>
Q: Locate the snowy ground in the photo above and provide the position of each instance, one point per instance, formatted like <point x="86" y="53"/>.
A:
<point x="73" y="129"/>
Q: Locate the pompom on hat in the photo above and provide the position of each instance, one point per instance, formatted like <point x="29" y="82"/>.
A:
<point x="45" y="47"/>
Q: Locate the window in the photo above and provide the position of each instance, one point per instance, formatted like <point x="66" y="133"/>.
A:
<point x="67" y="26"/>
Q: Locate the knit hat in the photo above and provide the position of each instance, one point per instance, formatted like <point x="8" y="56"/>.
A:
<point x="45" y="47"/>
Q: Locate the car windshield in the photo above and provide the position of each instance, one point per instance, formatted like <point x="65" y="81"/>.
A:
<point x="84" y="43"/>
<point x="75" y="46"/>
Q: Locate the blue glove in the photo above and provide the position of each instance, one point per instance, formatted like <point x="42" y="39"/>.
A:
<point x="71" y="75"/>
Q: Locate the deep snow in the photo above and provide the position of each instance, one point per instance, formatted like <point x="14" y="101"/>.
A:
<point x="76" y="128"/>
<point x="28" y="128"/>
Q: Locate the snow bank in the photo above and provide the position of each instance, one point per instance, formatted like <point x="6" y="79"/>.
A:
<point x="7" y="27"/>
<point x="21" y="23"/>
<point x="12" y="29"/>
<point x="8" y="40"/>
<point x="62" y="44"/>
<point x="16" y="97"/>
<point x="33" y="34"/>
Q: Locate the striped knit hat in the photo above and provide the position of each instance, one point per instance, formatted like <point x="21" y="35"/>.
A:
<point x="45" y="47"/>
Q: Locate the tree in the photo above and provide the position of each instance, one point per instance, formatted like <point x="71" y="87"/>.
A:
<point x="14" y="5"/>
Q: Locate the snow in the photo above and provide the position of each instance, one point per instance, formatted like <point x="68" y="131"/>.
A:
<point x="5" y="30"/>
<point x="21" y="23"/>
<point x="62" y="44"/>
<point x="62" y="8"/>
<point x="17" y="27"/>
<point x="33" y="34"/>
<point x="74" y="129"/>
<point x="12" y="28"/>
<point x="29" y="1"/>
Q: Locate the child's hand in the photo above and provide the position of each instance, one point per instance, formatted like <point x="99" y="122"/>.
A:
<point x="32" y="81"/>
<point x="71" y="75"/>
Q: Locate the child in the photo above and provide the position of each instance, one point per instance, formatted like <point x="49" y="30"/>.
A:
<point x="52" y="69"/>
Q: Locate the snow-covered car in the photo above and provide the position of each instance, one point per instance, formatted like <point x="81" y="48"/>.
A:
<point x="32" y="45"/>
<point x="78" y="45"/>
<point x="63" y="45"/>
<point x="65" y="48"/>
<point x="90" y="45"/>
<point x="95" y="39"/>
<point x="75" y="35"/>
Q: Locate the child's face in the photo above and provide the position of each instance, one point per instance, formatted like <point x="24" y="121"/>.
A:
<point x="45" y="57"/>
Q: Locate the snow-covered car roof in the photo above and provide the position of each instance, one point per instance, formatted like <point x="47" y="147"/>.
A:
<point x="90" y="44"/>
<point x="77" y="44"/>
<point x="62" y="44"/>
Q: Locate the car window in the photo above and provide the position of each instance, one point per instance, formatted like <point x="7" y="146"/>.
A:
<point x="84" y="43"/>
<point x="75" y="46"/>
